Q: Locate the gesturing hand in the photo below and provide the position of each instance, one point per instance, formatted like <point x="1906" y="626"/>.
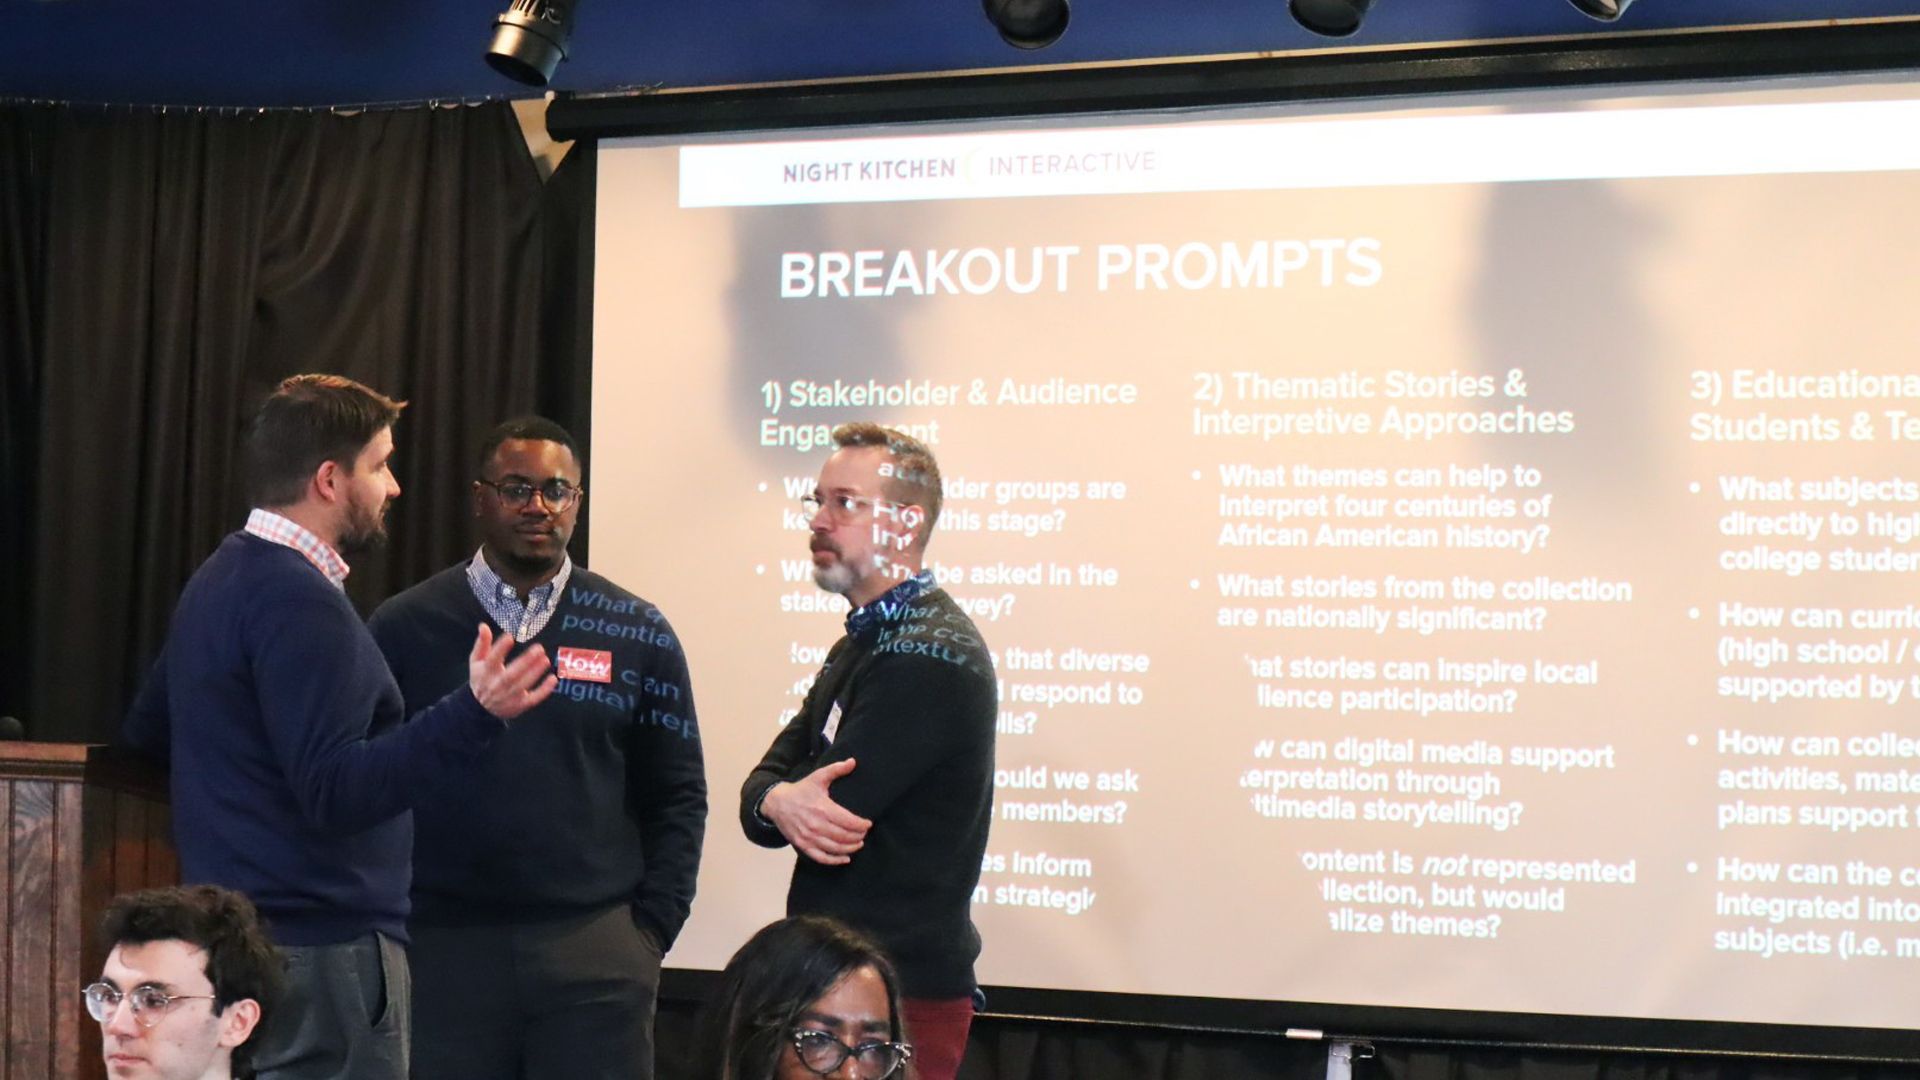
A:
<point x="812" y="822"/>
<point x="507" y="689"/>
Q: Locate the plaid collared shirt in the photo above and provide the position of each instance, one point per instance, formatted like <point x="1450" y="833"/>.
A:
<point x="268" y="525"/>
<point x="523" y="621"/>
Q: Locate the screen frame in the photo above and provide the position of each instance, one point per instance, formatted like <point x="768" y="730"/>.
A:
<point x="1433" y="73"/>
<point x="1383" y="1025"/>
<point x="1320" y="76"/>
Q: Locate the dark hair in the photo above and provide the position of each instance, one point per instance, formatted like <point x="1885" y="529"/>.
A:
<point x="538" y="428"/>
<point x="916" y="476"/>
<point x="241" y="962"/>
<point x="308" y="420"/>
<point x="774" y="977"/>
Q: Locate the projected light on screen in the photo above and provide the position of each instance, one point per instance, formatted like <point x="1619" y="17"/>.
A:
<point x="1455" y="559"/>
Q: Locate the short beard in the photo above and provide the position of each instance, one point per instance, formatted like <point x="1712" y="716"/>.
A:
<point x="364" y="534"/>
<point x="836" y="577"/>
<point x="529" y="565"/>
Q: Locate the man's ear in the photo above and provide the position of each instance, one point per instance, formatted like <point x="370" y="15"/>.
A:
<point x="480" y="491"/>
<point x="913" y="517"/>
<point x="327" y="480"/>
<point x="238" y="1022"/>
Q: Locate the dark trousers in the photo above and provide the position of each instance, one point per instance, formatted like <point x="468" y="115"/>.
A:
<point x="569" y="998"/>
<point x="344" y="1016"/>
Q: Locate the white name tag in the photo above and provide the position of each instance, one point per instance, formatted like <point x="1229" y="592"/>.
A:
<point x="833" y="724"/>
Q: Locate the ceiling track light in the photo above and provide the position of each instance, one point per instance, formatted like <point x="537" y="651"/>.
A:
<point x="530" y="39"/>
<point x="1330" y="18"/>
<point x="1028" y="24"/>
<point x="1604" y="10"/>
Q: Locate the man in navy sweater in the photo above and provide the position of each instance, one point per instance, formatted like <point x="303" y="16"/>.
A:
<point x="549" y="883"/>
<point x="291" y="771"/>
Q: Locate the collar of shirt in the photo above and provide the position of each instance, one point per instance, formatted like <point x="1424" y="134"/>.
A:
<point x="523" y="620"/>
<point x="270" y="526"/>
<point x="891" y="605"/>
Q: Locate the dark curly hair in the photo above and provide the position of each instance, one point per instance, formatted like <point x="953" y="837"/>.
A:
<point x="774" y="977"/>
<point x="241" y="962"/>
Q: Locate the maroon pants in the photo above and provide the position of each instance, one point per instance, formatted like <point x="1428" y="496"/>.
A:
<point x="937" y="1028"/>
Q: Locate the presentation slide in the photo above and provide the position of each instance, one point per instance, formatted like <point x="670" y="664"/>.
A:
<point x="1440" y="558"/>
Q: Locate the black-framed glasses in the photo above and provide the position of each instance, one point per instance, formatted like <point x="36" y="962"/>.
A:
<point x="150" y="1003"/>
<point x="515" y="494"/>
<point x="821" y="1053"/>
<point x="839" y="507"/>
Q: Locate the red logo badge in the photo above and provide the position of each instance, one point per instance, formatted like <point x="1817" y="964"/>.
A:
<point x="585" y="665"/>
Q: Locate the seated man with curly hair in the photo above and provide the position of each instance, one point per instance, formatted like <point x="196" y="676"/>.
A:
<point x="189" y="978"/>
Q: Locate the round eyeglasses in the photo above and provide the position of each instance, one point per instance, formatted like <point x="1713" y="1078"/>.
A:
<point x="150" y="1003"/>
<point x="516" y="494"/>
<point x="821" y="1053"/>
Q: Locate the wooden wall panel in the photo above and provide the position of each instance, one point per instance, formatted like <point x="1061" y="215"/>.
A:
<point x="78" y="825"/>
<point x="126" y="856"/>
<point x="70" y="888"/>
<point x="163" y="862"/>
<point x="7" y="919"/>
<point x="30" y="936"/>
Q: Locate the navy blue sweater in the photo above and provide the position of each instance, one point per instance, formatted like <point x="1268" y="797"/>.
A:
<point x="291" y="771"/>
<point x="597" y="796"/>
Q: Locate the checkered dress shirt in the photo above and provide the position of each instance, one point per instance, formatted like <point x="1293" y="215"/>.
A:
<point x="523" y="621"/>
<point x="268" y="525"/>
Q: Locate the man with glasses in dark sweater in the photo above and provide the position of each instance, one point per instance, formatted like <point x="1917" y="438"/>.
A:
<point x="549" y="884"/>
<point x="884" y="781"/>
<point x="291" y="771"/>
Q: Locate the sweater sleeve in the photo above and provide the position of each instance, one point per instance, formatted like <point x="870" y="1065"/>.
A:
<point x="668" y="781"/>
<point x="907" y="716"/>
<point x="319" y="690"/>
<point x="389" y="630"/>
<point x="790" y="756"/>
<point x="785" y="760"/>
<point x="148" y="727"/>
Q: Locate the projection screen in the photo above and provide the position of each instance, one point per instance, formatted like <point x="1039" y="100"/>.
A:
<point x="1436" y="558"/>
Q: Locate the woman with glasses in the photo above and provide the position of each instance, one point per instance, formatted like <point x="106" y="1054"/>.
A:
<point x="805" y="997"/>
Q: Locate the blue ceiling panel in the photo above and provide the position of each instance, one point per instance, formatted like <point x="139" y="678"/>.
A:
<point x="274" y="53"/>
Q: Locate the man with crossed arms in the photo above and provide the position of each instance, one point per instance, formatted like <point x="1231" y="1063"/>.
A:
<point x="883" y="782"/>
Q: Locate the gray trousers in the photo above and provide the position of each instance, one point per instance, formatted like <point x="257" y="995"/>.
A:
<point x="344" y="1017"/>
<point x="570" y="998"/>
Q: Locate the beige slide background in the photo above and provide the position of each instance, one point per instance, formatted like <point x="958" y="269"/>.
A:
<point x="1617" y="308"/>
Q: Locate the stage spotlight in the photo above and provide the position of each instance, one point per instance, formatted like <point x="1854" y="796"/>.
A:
<point x="1028" y="24"/>
<point x="1604" y="10"/>
<point x="1329" y="18"/>
<point x="530" y="39"/>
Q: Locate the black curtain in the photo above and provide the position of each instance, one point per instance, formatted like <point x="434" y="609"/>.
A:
<point x="180" y="265"/>
<point x="1020" y="1049"/>
<point x="1471" y="1063"/>
<point x="24" y="138"/>
<point x="1035" y="1050"/>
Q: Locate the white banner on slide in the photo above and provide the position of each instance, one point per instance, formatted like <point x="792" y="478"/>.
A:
<point x="1862" y="136"/>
